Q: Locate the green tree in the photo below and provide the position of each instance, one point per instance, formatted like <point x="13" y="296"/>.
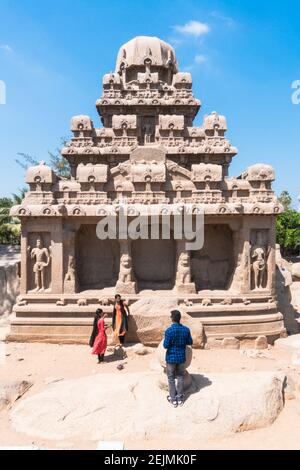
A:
<point x="59" y="164"/>
<point x="56" y="161"/>
<point x="288" y="232"/>
<point x="5" y="205"/>
<point x="285" y="199"/>
<point x="18" y="198"/>
<point x="10" y="227"/>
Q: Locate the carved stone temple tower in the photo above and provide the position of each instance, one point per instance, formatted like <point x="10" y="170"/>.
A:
<point x="148" y="153"/>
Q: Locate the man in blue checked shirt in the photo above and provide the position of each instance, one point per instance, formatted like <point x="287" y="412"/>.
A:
<point x="177" y="337"/>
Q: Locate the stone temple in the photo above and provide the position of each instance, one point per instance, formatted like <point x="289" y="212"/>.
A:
<point x="148" y="153"/>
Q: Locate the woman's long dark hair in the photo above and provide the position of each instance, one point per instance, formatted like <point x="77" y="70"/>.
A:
<point x="99" y="312"/>
<point x="98" y="315"/>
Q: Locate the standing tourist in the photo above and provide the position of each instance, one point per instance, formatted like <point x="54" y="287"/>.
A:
<point x="120" y="320"/>
<point x="98" y="340"/>
<point x="177" y="337"/>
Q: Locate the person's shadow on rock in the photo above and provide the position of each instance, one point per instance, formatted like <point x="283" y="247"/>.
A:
<point x="199" y="381"/>
<point x="118" y="355"/>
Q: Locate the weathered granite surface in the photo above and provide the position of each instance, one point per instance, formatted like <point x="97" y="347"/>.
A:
<point x="9" y="277"/>
<point x="219" y="405"/>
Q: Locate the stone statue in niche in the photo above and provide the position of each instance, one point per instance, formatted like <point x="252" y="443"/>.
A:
<point x="259" y="262"/>
<point x="183" y="275"/>
<point x="148" y="131"/>
<point x="125" y="269"/>
<point x="126" y="283"/>
<point x="237" y="275"/>
<point x="71" y="273"/>
<point x="41" y="256"/>
<point x="70" y="278"/>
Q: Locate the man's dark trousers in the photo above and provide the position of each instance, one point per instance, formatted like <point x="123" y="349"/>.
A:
<point x="173" y="371"/>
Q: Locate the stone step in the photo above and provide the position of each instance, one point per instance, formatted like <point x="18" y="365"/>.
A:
<point x="37" y="300"/>
<point x="93" y="298"/>
<point x="243" y="331"/>
<point x="199" y="311"/>
<point x="63" y="330"/>
<point x="220" y="296"/>
<point x="73" y="321"/>
<point x="241" y="319"/>
<point x="51" y="311"/>
<point x="50" y="320"/>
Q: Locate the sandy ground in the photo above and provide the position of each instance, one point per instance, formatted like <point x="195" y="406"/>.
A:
<point x="41" y="363"/>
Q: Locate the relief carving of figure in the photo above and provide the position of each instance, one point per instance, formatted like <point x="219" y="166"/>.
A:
<point x="41" y="256"/>
<point x="126" y="281"/>
<point x="259" y="262"/>
<point x="183" y="275"/>
<point x="148" y="132"/>
<point x="125" y="274"/>
<point x="71" y="273"/>
<point x="184" y="282"/>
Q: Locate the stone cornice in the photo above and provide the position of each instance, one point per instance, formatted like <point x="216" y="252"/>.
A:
<point x="134" y="209"/>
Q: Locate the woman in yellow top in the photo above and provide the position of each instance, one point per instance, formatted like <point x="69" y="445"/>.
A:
<point x="120" y="319"/>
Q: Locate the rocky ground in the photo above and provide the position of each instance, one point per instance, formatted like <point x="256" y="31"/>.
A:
<point x="69" y="401"/>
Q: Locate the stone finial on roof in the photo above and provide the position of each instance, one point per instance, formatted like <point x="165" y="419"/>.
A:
<point x="40" y="174"/>
<point x="214" y="122"/>
<point x="142" y="48"/>
<point x="81" y="123"/>
<point x="259" y="172"/>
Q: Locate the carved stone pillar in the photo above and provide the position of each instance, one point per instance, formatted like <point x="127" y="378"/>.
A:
<point x="24" y="260"/>
<point x="70" y="277"/>
<point x="57" y="271"/>
<point x="238" y="248"/>
<point x="245" y="261"/>
<point x="183" y="283"/>
<point x="271" y="262"/>
<point x="126" y="283"/>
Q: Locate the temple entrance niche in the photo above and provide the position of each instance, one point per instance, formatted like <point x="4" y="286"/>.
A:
<point x="212" y="266"/>
<point x="154" y="263"/>
<point x="97" y="261"/>
<point x="146" y="125"/>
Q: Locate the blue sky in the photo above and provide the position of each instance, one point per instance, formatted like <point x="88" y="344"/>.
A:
<point x="243" y="56"/>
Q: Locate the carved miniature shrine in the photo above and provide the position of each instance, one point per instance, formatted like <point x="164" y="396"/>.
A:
<point x="148" y="152"/>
